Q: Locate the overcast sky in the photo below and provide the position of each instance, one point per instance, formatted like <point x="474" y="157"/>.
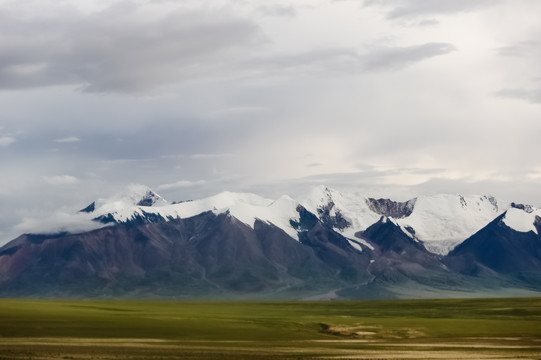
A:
<point x="191" y="97"/>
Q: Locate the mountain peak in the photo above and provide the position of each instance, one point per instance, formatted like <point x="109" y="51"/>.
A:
<point x="90" y="208"/>
<point x="132" y="195"/>
<point x="323" y="195"/>
<point x="523" y="219"/>
<point x="389" y="235"/>
<point x="142" y="195"/>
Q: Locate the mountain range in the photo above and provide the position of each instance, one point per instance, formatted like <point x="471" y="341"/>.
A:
<point x="243" y="246"/>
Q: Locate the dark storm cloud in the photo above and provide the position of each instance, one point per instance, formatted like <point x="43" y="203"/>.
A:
<point x="529" y="95"/>
<point x="420" y="8"/>
<point x="118" y="49"/>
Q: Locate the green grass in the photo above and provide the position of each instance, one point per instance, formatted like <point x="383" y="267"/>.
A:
<point x="78" y="329"/>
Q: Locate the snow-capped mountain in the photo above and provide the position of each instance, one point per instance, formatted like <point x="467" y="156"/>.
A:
<point x="510" y="244"/>
<point x="439" y="221"/>
<point x="134" y="195"/>
<point x="224" y="246"/>
<point x="347" y="213"/>
<point x="231" y="244"/>
<point x="143" y="205"/>
<point x="444" y="221"/>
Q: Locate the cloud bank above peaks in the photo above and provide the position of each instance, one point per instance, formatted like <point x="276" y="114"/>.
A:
<point x="119" y="49"/>
<point x="136" y="48"/>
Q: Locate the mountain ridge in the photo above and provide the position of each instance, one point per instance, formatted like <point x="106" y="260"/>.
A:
<point x="236" y="245"/>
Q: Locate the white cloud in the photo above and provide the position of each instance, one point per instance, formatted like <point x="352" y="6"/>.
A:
<point x="57" y="223"/>
<point x="69" y="139"/>
<point x="277" y="10"/>
<point x="181" y="184"/>
<point x="238" y="111"/>
<point x="347" y="61"/>
<point x="210" y="156"/>
<point x="61" y="180"/>
<point x="199" y="156"/>
<point x="7" y="140"/>
<point x="415" y="8"/>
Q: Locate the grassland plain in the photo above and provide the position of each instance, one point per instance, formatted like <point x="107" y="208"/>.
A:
<point x="395" y="329"/>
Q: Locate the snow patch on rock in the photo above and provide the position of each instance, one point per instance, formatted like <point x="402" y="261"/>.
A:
<point x="521" y="220"/>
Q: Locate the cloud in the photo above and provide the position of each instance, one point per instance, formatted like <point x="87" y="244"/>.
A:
<point x="370" y="181"/>
<point x="211" y="156"/>
<point x="7" y="140"/>
<point x="61" y="180"/>
<point x="340" y="60"/>
<point x="277" y="10"/>
<point x="124" y="161"/>
<point x="57" y="222"/>
<point x="399" y="9"/>
<point x="523" y="190"/>
<point x="181" y="184"/>
<point x="393" y="58"/>
<point x="347" y="61"/>
<point x="199" y="156"/>
<point x="69" y="139"/>
<point x="428" y="22"/>
<point x="237" y="111"/>
<point x="101" y="51"/>
<point x="520" y="49"/>
<point x="529" y="95"/>
<point x="122" y="48"/>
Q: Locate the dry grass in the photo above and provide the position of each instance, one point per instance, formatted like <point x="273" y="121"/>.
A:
<point x="106" y="349"/>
